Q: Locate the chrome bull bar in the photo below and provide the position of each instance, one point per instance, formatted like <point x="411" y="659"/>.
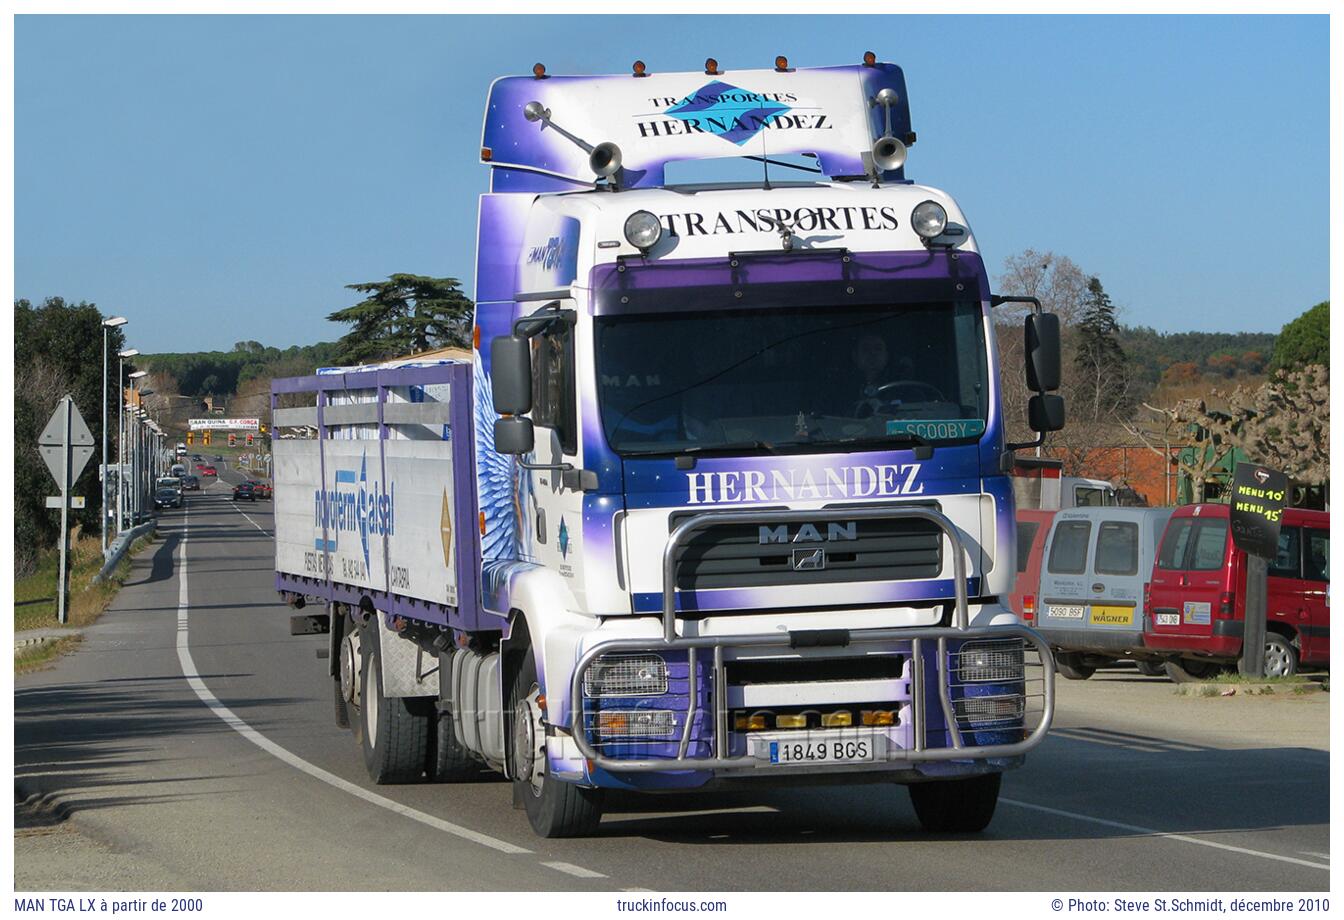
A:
<point x="916" y="636"/>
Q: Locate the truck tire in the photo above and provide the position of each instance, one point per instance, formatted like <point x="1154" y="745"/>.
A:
<point x="956" y="806"/>
<point x="554" y="808"/>
<point x="1150" y="668"/>
<point x="1071" y="666"/>
<point x="342" y="709"/>
<point x="1280" y="656"/>
<point x="450" y="762"/>
<point x="393" y="731"/>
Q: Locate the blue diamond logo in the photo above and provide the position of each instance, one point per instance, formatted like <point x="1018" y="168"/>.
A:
<point x="733" y="114"/>
<point x="563" y="540"/>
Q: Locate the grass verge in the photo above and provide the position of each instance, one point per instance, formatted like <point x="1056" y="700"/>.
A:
<point x="35" y="604"/>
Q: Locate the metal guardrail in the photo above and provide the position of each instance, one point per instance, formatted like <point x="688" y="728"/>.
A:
<point x="119" y="546"/>
<point x="960" y="630"/>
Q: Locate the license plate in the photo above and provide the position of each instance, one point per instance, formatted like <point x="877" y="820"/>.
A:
<point x="1168" y="619"/>
<point x="817" y="747"/>
<point x="1067" y="611"/>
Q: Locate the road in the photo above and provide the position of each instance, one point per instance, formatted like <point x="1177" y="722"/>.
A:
<point x="191" y="742"/>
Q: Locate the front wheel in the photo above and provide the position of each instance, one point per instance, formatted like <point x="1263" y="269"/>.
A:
<point x="554" y="808"/>
<point x="956" y="806"/>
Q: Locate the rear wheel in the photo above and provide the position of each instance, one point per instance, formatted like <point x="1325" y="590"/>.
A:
<point x="1280" y="656"/>
<point x="1188" y="670"/>
<point x="1071" y="666"/>
<point x="554" y="808"/>
<point x="1150" y="668"/>
<point x="956" y="806"/>
<point x="449" y="761"/>
<point x="394" y="731"/>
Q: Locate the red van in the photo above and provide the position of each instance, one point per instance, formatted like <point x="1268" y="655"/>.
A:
<point x="1032" y="528"/>
<point x="1197" y="600"/>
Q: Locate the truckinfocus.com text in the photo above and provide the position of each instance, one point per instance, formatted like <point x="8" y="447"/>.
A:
<point x="661" y="905"/>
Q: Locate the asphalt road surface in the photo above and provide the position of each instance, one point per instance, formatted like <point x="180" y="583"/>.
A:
<point x="190" y="741"/>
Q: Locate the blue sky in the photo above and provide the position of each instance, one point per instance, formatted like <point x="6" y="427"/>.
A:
<point x="217" y="179"/>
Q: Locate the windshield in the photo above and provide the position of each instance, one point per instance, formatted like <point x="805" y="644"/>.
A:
<point x="798" y="378"/>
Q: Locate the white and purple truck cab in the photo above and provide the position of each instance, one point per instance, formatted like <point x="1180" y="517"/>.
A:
<point x="732" y="501"/>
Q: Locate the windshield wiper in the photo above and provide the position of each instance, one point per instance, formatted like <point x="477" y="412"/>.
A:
<point x="923" y="446"/>
<point x="686" y="455"/>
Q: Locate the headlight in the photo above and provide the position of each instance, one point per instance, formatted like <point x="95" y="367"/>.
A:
<point x="643" y="230"/>
<point x="626" y="675"/>
<point x="929" y="219"/>
<point x="993" y="661"/>
<point x="978" y="709"/>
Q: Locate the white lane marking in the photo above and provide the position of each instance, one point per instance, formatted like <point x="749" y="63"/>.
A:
<point x="235" y="507"/>
<point x="571" y="869"/>
<point x="1317" y="855"/>
<point x="1136" y="829"/>
<point x="275" y="750"/>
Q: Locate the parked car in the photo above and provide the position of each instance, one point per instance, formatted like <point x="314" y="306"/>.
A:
<point x="1032" y="528"/>
<point x="1097" y="565"/>
<point x="262" y="489"/>
<point x="209" y="471"/>
<point x="1198" y="594"/>
<point x="244" y="492"/>
<point x="191" y="483"/>
<point x="167" y="498"/>
<point x="219" y="458"/>
<point x="197" y="457"/>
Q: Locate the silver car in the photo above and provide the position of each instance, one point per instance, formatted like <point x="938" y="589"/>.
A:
<point x="1094" y="580"/>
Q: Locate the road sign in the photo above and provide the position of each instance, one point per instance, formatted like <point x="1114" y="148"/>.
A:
<point x="76" y="502"/>
<point x="224" y="424"/>
<point x="1258" y="497"/>
<point x="66" y="445"/>
<point x="51" y="442"/>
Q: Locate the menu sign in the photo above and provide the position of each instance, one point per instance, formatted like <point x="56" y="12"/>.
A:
<point x="1258" y="496"/>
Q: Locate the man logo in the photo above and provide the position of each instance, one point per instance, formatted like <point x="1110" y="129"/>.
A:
<point x="809" y="560"/>
<point x="809" y="533"/>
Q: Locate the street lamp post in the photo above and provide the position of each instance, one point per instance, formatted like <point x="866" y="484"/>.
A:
<point x="121" y="437"/>
<point x="137" y="446"/>
<point x="110" y="323"/>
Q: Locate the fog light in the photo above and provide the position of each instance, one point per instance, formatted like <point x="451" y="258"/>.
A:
<point x="929" y="219"/>
<point x="643" y="230"/>
<point x="879" y="717"/>
<point x="637" y="723"/>
<point x="791" y="720"/>
<point x="990" y="709"/>
<point x="836" y="720"/>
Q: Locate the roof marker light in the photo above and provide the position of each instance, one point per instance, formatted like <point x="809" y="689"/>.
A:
<point x="781" y="64"/>
<point x="869" y="59"/>
<point x="639" y="69"/>
<point x="539" y="71"/>
<point x="712" y="67"/>
<point x="929" y="219"/>
<point x="643" y="230"/>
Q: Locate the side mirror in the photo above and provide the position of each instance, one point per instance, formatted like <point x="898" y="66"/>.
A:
<point x="1045" y="412"/>
<point x="511" y="376"/>
<point x="513" y="434"/>
<point x="1042" y="353"/>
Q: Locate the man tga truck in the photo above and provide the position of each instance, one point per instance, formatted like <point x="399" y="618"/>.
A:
<point x="720" y="494"/>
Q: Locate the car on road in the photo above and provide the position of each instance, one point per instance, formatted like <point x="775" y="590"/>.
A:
<point x="262" y="489"/>
<point x="209" y="471"/>
<point x="197" y="457"/>
<point x="1098" y="561"/>
<point x="191" y="483"/>
<point x="167" y="498"/>
<point x="244" y="492"/>
<point x="219" y="458"/>
<point x="1198" y="594"/>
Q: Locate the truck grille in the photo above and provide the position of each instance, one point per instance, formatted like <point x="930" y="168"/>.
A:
<point x="752" y="555"/>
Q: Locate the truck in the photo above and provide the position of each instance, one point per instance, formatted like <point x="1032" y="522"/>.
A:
<point x="1040" y="484"/>
<point x="719" y="495"/>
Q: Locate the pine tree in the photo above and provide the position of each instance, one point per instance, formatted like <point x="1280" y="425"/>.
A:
<point x="1103" y="370"/>
<point x="406" y="314"/>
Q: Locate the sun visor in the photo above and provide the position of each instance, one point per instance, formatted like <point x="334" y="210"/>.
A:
<point x="831" y="112"/>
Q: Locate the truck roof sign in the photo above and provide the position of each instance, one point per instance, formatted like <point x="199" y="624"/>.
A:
<point x="662" y="118"/>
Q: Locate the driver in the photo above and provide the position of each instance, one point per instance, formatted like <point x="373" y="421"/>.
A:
<point x="870" y="358"/>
